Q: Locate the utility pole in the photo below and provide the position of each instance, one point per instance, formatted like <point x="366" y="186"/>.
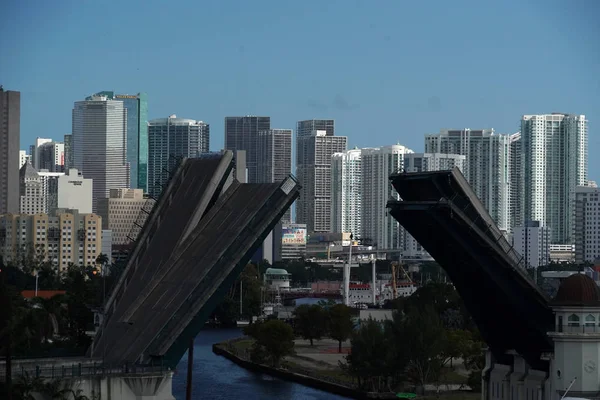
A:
<point x="347" y="274"/>
<point x="190" y="368"/>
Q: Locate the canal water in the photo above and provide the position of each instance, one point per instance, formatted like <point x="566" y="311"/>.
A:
<point x="217" y="378"/>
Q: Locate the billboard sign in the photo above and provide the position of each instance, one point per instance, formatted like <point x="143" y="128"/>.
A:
<point x="293" y="236"/>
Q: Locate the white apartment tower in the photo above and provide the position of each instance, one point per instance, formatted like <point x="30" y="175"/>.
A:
<point x="486" y="166"/>
<point x="532" y="242"/>
<point x="377" y="226"/>
<point x="100" y="144"/>
<point x="313" y="170"/>
<point x="515" y="207"/>
<point x="586" y="224"/>
<point x="346" y="192"/>
<point x="554" y="151"/>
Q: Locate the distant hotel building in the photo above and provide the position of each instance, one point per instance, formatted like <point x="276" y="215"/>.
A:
<point x="169" y="139"/>
<point x="10" y="136"/>
<point x="346" y="192"/>
<point x="555" y="155"/>
<point x="121" y="211"/>
<point x="486" y="166"/>
<point x="99" y="144"/>
<point x="241" y="133"/>
<point x="64" y="238"/>
<point x="137" y="135"/>
<point x="74" y="192"/>
<point x="313" y="169"/>
<point x="32" y="195"/>
<point x="378" y="227"/>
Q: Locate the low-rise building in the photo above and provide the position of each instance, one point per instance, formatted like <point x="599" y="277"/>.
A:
<point x="124" y="213"/>
<point x="293" y="241"/>
<point x="64" y="238"/>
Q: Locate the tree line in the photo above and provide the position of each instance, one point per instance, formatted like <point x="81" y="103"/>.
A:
<point x="428" y="334"/>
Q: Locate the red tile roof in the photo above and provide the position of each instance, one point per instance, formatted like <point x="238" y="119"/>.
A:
<point x="46" y="294"/>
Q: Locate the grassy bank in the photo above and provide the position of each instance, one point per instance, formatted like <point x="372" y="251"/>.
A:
<point x="311" y="361"/>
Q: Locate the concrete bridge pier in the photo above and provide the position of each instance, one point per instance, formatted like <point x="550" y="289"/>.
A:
<point x="154" y="386"/>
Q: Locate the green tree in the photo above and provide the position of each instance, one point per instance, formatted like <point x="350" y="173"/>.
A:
<point x="274" y="340"/>
<point x="369" y="359"/>
<point x="310" y="322"/>
<point x="423" y="342"/>
<point x="340" y="323"/>
<point x="252" y="287"/>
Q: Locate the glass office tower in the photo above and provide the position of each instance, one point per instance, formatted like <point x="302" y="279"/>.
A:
<point x="137" y="135"/>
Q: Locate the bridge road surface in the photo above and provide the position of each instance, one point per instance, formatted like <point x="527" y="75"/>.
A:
<point x="229" y="219"/>
<point x="442" y="213"/>
<point x="191" y="195"/>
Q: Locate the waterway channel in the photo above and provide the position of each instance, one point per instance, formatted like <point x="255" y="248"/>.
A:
<point x="217" y="378"/>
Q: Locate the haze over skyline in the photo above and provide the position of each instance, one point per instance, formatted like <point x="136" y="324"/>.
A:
<point x="386" y="71"/>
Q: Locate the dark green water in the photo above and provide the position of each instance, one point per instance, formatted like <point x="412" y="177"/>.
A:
<point x="218" y="378"/>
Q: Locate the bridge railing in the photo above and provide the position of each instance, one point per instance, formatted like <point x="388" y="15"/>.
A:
<point x="78" y="370"/>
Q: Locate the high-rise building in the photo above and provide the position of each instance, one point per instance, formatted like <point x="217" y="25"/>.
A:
<point x="68" y="140"/>
<point x="516" y="180"/>
<point x="427" y="162"/>
<point x="100" y="144"/>
<point x="486" y="166"/>
<point x="586" y="224"/>
<point x="307" y="127"/>
<point x="346" y="192"/>
<point x="313" y="170"/>
<point x="555" y="152"/>
<point x="31" y="191"/>
<point x="34" y="150"/>
<point x="241" y="133"/>
<point x="10" y="136"/>
<point x="74" y="192"/>
<point x="50" y="189"/>
<point x="274" y="158"/>
<point x="137" y="135"/>
<point x="50" y="156"/>
<point x="169" y="139"/>
<point x="532" y="242"/>
<point x="121" y="211"/>
<point x="378" y="227"/>
<point x="23" y="158"/>
<point x="63" y="238"/>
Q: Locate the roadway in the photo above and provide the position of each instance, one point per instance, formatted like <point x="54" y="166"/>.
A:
<point x="174" y="299"/>
<point x="188" y="193"/>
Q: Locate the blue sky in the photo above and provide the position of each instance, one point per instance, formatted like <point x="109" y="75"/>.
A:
<point x="387" y="71"/>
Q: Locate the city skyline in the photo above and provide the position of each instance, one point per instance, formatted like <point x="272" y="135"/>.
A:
<point x="367" y="96"/>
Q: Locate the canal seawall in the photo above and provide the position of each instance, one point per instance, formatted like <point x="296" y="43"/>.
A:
<point x="221" y="349"/>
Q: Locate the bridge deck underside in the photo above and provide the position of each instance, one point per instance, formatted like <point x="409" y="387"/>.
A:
<point x="190" y="192"/>
<point x="509" y="309"/>
<point x="169" y="310"/>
